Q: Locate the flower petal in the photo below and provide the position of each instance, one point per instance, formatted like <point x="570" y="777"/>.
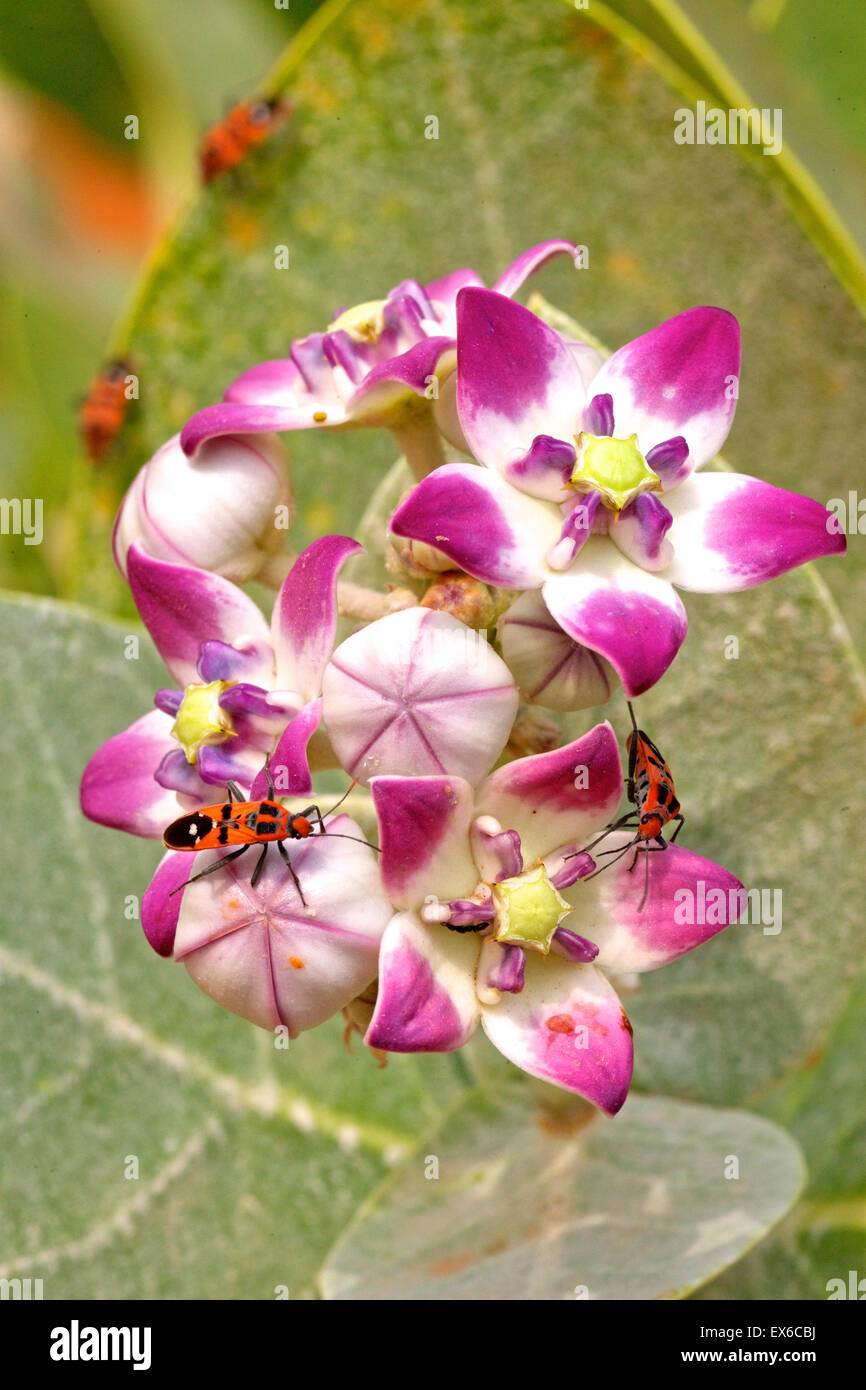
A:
<point x="305" y="615"/>
<point x="426" y="1000"/>
<point x="183" y="607"/>
<point x="689" y="900"/>
<point x="516" y="378"/>
<point x="118" y="787"/>
<point x="424" y="837"/>
<point x="392" y="383"/>
<point x="555" y="799"/>
<point x="568" y="1027"/>
<point x="680" y="378"/>
<point x="640" y="532"/>
<point x="633" y="619"/>
<point x="482" y="523"/>
<point x="731" y="531"/>
<point x="548" y="666"/>
<point x="161" y="904"/>
<point x="289" y="761"/>
<point x="443" y="294"/>
<point x="529" y="262"/>
<point x="261" y="954"/>
<point x="418" y="693"/>
<point x="235" y="417"/>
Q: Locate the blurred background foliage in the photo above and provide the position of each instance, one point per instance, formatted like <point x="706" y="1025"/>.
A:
<point x="85" y="213"/>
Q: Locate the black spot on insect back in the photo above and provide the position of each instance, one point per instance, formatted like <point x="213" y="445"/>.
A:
<point x="187" y="831"/>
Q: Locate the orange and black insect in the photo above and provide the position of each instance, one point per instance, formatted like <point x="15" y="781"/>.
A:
<point x="246" y="823"/>
<point x="650" y="789"/>
<point x="103" y="410"/>
<point x="229" y="142"/>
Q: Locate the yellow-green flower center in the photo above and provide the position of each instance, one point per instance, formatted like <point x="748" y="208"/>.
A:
<point x="200" y="719"/>
<point x="528" y="910"/>
<point x="615" y="468"/>
<point x="364" y="323"/>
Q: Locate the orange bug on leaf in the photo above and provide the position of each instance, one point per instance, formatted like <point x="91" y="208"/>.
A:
<point x="103" y="410"/>
<point x="228" y="143"/>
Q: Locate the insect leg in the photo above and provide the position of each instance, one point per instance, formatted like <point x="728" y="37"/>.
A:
<point x="291" y="868"/>
<point x="682" y="821"/>
<point x="211" y="868"/>
<point x="257" y="871"/>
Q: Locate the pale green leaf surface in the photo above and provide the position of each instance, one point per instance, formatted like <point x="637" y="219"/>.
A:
<point x="637" y="1208"/>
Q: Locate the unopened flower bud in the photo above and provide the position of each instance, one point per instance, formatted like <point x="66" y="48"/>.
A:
<point x="463" y="597"/>
<point x="225" y="510"/>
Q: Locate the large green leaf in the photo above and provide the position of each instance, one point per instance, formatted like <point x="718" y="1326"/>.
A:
<point x="564" y="1208"/>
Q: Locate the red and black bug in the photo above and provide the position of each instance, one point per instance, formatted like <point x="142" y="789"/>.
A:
<point x="650" y="789"/>
<point x="247" y="823"/>
<point x="103" y="410"/>
<point x="229" y="142"/>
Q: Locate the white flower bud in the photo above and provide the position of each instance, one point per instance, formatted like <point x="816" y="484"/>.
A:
<point x="225" y="510"/>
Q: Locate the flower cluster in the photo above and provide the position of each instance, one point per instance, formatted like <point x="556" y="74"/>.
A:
<point x="541" y="567"/>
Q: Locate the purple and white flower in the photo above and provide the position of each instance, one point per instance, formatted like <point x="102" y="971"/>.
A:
<point x="589" y="493"/>
<point x="227" y="510"/>
<point x="418" y="692"/>
<point x="375" y="365"/>
<point x="262" y="953"/>
<point x="243" y="685"/>
<point x="495" y="919"/>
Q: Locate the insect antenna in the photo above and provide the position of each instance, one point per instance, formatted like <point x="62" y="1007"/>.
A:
<point x="351" y="788"/>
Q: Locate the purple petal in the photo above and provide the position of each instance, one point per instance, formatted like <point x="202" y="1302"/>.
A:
<point x="226" y="762"/>
<point x="575" y="532"/>
<point x="544" y="471"/>
<point x="252" y="700"/>
<point x="426" y="1000"/>
<point x="305" y="615"/>
<point x="679" y="379"/>
<point x="418" y="693"/>
<point x="568" y="1027"/>
<point x="670" y="460"/>
<point x="516" y="378"/>
<point x="689" y="900"/>
<point x="598" y="416"/>
<point x="176" y="774"/>
<point x="548" y="666"/>
<point x="574" y="947"/>
<point x="640" y="532"/>
<point x="464" y="912"/>
<point x="183" y="607"/>
<point x="424" y="838"/>
<point x="554" y="799"/>
<point x="160" y="906"/>
<point x="529" y="262"/>
<point x="388" y="385"/>
<point x="169" y="701"/>
<point x="732" y="531"/>
<point x="566" y="868"/>
<point x="235" y="417"/>
<point x="118" y="787"/>
<point x="218" y="661"/>
<point x="508" y="970"/>
<point x="498" y="853"/>
<point x="443" y="294"/>
<point x="633" y="619"/>
<point x="483" y="524"/>
<point x="263" y="955"/>
<point x="289" y="762"/>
